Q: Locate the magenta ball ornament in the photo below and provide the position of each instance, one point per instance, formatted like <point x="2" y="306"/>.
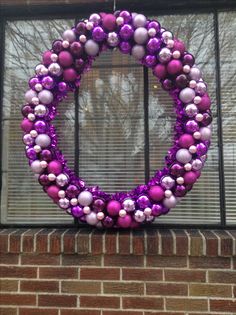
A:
<point x="205" y="103"/>
<point x="76" y="49"/>
<point x="98" y="34"/>
<point x="69" y="75"/>
<point x="53" y="191"/>
<point x="125" y="47"/>
<point x="72" y="191"/>
<point x="177" y="170"/>
<point x="48" y="82"/>
<point x="186" y="140"/>
<point x="47" y="58"/>
<point x="125" y="221"/>
<point x="188" y="59"/>
<point x="26" y="125"/>
<point x="157" y="210"/>
<point x="46" y="155"/>
<point x="77" y="211"/>
<point x="190" y="178"/>
<point x="179" y="45"/>
<point x="125" y="15"/>
<point x="156" y="193"/>
<point x="113" y="208"/>
<point x="174" y="67"/>
<point x="55" y="167"/>
<point x="153" y="45"/>
<point x="40" y="126"/>
<point x="109" y="22"/>
<point x="143" y="202"/>
<point x="57" y="46"/>
<point x="65" y="59"/>
<point x="160" y="71"/>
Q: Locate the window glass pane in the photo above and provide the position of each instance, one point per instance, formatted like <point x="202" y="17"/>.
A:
<point x="111" y="127"/>
<point x="201" y="205"/>
<point x="23" y="200"/>
<point x="227" y="30"/>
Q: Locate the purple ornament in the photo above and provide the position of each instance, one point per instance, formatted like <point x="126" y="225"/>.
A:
<point x="98" y="205"/>
<point x="108" y="222"/>
<point x="72" y="191"/>
<point x="143" y="202"/>
<point x="33" y="81"/>
<point x="77" y="212"/>
<point x="191" y="126"/>
<point x="98" y="34"/>
<point x="201" y="149"/>
<point x="125" y="15"/>
<point x="155" y="25"/>
<point x="57" y="46"/>
<point x="125" y="47"/>
<point x="177" y="170"/>
<point x="180" y="191"/>
<point x="46" y="155"/>
<point x="31" y="154"/>
<point x="157" y="210"/>
<point x="40" y="126"/>
<point x="150" y="61"/>
<point x="153" y="45"/>
<point x="126" y="32"/>
<point x="48" y="82"/>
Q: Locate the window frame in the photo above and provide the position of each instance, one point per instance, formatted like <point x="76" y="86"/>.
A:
<point x="150" y="7"/>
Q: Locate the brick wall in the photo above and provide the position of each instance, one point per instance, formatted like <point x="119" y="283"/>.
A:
<point x="89" y="272"/>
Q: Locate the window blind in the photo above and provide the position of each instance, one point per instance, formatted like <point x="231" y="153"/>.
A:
<point x="227" y="29"/>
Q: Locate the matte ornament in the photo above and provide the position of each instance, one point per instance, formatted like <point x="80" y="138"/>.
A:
<point x="60" y="73"/>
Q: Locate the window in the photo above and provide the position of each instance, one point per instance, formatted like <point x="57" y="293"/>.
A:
<point x="121" y="114"/>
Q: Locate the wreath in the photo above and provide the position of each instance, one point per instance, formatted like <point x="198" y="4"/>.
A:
<point x="60" y="73"/>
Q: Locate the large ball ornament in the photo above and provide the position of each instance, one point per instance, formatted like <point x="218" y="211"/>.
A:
<point x="43" y="140"/>
<point x="183" y="156"/>
<point x="85" y="198"/>
<point x="45" y="97"/>
<point x="91" y="47"/>
<point x="140" y="35"/>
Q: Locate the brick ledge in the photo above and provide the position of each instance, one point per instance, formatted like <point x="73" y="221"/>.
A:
<point x="174" y="242"/>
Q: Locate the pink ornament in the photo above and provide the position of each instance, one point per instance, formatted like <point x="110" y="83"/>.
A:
<point x="156" y="193"/>
<point x="186" y="140"/>
<point x="113" y="207"/>
<point x="190" y="178"/>
<point x="179" y="45"/>
<point x="65" y="59"/>
<point x="160" y="71"/>
<point x="174" y="67"/>
<point x="47" y="58"/>
<point x="125" y="221"/>
<point x="205" y="103"/>
<point x="52" y="192"/>
<point x="109" y="22"/>
<point x="55" y="167"/>
<point x="69" y="75"/>
<point x="26" y="125"/>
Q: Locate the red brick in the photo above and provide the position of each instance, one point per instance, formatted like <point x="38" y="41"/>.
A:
<point x="79" y="312"/>
<point x="28" y="240"/>
<point x="99" y="301"/>
<point x="17" y="299"/>
<point x="100" y="273"/>
<point x="181" y="243"/>
<point x="9" y="259"/>
<point x="56" y="241"/>
<point x="185" y="275"/>
<point x="234" y="291"/>
<point x="223" y="305"/>
<point x="211" y="243"/>
<point x="142" y="274"/>
<point x="58" y="273"/>
<point x="81" y="287"/>
<point x="42" y="240"/>
<point x="167" y="243"/>
<point x="110" y="242"/>
<point x="222" y="276"/>
<point x="210" y="290"/>
<point x="123" y="260"/>
<point x="7" y="285"/>
<point x="196" y="243"/>
<point x="15" y="240"/>
<point x="18" y="272"/>
<point x="39" y="286"/>
<point x="122" y="288"/>
<point x="40" y="259"/>
<point x="124" y="242"/>
<point x="152" y="242"/>
<point x="226" y="243"/>
<point x="165" y="313"/>
<point x="8" y="311"/>
<point x="209" y="262"/>
<point x="166" y="289"/>
<point x="57" y="300"/>
<point x="38" y="311"/>
<point x="122" y="313"/>
<point x="143" y="303"/>
<point x="83" y="241"/>
<point x="81" y="260"/>
<point x="3" y="243"/>
<point x="138" y="243"/>
<point x="182" y="304"/>
<point x="69" y="240"/>
<point x="97" y="242"/>
<point x="166" y="261"/>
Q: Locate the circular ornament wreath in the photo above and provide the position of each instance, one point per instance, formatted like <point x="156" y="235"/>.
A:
<point x="61" y="71"/>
